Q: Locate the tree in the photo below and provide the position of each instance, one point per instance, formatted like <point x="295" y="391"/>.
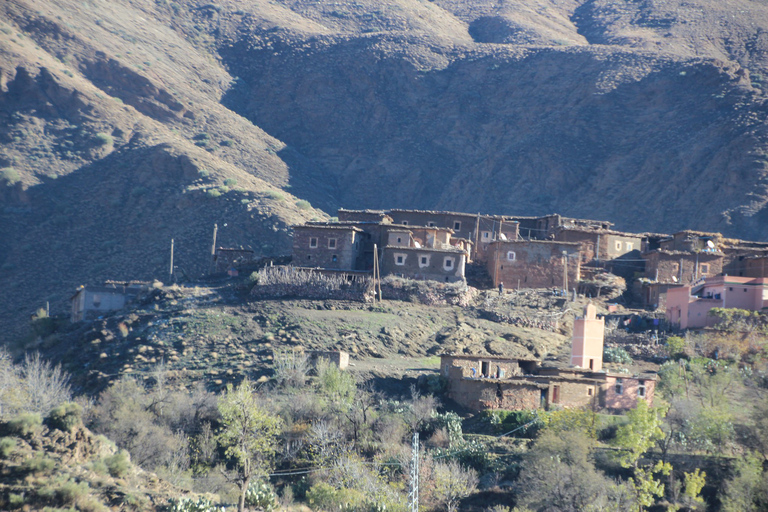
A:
<point x="558" y="475"/>
<point x="248" y="435"/>
<point x="451" y="483"/>
<point x="635" y="438"/>
<point x="747" y="491"/>
<point x="639" y="434"/>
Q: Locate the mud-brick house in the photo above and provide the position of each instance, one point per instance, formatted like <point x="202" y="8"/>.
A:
<point x="534" y="263"/>
<point x="375" y="216"/>
<point x="90" y="302"/>
<point x="672" y="266"/>
<point x="688" y="307"/>
<point x="446" y="264"/>
<point x="598" y="244"/>
<point x="481" y="382"/>
<point x="328" y="246"/>
<point x="692" y="241"/>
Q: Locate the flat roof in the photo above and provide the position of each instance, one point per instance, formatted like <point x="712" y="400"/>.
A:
<point x="342" y="227"/>
<point x="452" y="250"/>
<point x="464" y="214"/>
<point x="529" y="358"/>
<point x="683" y="253"/>
<point x="599" y="231"/>
<point x="555" y="242"/>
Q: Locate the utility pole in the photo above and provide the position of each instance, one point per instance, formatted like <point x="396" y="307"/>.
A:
<point x="170" y="272"/>
<point x="413" y="494"/>
<point x="213" y="248"/>
<point x="565" y="271"/>
<point x="375" y="272"/>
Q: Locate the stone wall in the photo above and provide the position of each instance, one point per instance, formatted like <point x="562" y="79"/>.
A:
<point x="326" y="247"/>
<point x="627" y="399"/>
<point x="430" y="293"/>
<point x="407" y="262"/>
<point x="534" y="264"/>
<point x="664" y="265"/>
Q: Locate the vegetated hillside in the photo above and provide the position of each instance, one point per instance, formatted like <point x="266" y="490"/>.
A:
<point x="125" y="124"/>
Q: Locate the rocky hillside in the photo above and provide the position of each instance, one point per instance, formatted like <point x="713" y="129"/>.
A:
<point x="124" y="124"/>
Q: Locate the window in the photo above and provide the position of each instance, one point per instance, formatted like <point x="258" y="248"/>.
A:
<point x="675" y="267"/>
<point x="618" y="246"/>
<point x="485" y="368"/>
<point x="431" y="224"/>
<point x="511" y="255"/>
<point x="641" y="389"/>
<point x="309" y="256"/>
<point x="619" y="386"/>
<point x="423" y="261"/>
<point x="591" y="364"/>
<point x="630" y="246"/>
<point x="313" y="242"/>
<point x="399" y="259"/>
<point x="730" y="288"/>
<point x="704" y="268"/>
<point x="404" y="223"/>
<point x="456" y="225"/>
<point x="486" y="236"/>
<point x="331" y="243"/>
<point x="334" y="258"/>
<point x="590" y="390"/>
<point x="399" y="240"/>
<point x="448" y="263"/>
<point x="555" y="394"/>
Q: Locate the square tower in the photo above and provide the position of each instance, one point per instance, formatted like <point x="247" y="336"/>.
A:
<point x="587" y="345"/>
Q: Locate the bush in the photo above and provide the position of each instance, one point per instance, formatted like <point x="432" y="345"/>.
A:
<point x="200" y="504"/>
<point x="323" y="496"/>
<point x="38" y="464"/>
<point x="72" y="493"/>
<point x="277" y="196"/>
<point x="505" y="421"/>
<point x="303" y="205"/>
<point x="7" y="446"/>
<point x="676" y="347"/>
<point x="104" y="139"/>
<point x="65" y="417"/>
<point x="16" y="500"/>
<point x="230" y="182"/>
<point x="450" y="421"/>
<point x="10" y="176"/>
<point x="213" y="193"/>
<point x="261" y="495"/>
<point x="118" y="464"/>
<point x="204" y="173"/>
<point x="616" y="355"/>
<point x="25" y="424"/>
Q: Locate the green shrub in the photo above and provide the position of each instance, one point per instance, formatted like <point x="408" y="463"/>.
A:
<point x="450" y="421"/>
<point x="230" y="182"/>
<point x="104" y="139"/>
<point x="227" y="142"/>
<point x="223" y="189"/>
<point x="16" y="500"/>
<point x="261" y="495"/>
<point x="202" y="136"/>
<point x="118" y="464"/>
<point x="65" y="417"/>
<point x="38" y="464"/>
<point x="277" y="196"/>
<point x="72" y="493"/>
<point x="7" y="446"/>
<point x="204" y="173"/>
<point x="676" y="347"/>
<point x="10" y="176"/>
<point x="25" y="424"/>
<point x="616" y="355"/>
<point x="303" y="205"/>
<point x="200" y="504"/>
<point x="506" y="421"/>
<point x="213" y="193"/>
<point x="323" y="496"/>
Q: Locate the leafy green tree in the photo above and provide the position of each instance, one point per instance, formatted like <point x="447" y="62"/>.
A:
<point x="676" y="347"/>
<point x="639" y="434"/>
<point x="249" y="435"/>
<point x="451" y="483"/>
<point x="747" y="491"/>
<point x="634" y="439"/>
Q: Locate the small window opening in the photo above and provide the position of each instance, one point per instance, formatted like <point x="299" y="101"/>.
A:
<point x="313" y="242"/>
<point x="334" y="258"/>
<point x="456" y="225"/>
<point x="619" y="386"/>
<point x="331" y="243"/>
<point x="641" y="389"/>
<point x="511" y="256"/>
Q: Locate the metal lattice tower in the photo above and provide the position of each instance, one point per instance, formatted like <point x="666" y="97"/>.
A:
<point x="413" y="495"/>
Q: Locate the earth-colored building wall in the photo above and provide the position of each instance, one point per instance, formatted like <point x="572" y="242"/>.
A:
<point x="226" y="258"/>
<point x="345" y="251"/>
<point x="410" y="264"/>
<point x="662" y="266"/>
<point x="363" y="216"/>
<point x="482" y="394"/>
<point x="534" y="264"/>
<point x="89" y="304"/>
<point x="572" y="393"/>
<point x="628" y="398"/>
<point x="496" y="367"/>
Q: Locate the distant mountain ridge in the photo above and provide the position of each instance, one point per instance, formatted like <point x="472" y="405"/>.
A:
<point x="125" y="124"/>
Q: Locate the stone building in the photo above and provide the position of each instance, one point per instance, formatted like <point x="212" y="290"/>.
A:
<point x="600" y="245"/>
<point x="481" y="382"/>
<point x="444" y="264"/>
<point x="534" y="263"/>
<point x="90" y="302"/>
<point x="665" y="266"/>
<point x="225" y="259"/>
<point x="328" y="246"/>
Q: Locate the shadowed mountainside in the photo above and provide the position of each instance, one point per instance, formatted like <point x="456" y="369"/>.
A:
<point x="124" y="124"/>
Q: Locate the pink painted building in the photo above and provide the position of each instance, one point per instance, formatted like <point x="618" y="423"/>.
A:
<point x="688" y="307"/>
<point x="587" y="345"/>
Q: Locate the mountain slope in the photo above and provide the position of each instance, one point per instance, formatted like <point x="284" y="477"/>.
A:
<point x="127" y="123"/>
